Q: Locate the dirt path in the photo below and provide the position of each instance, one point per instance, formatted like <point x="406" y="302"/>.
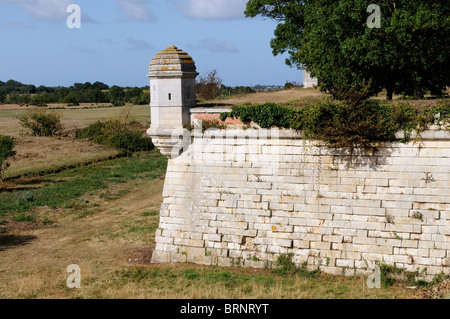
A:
<point x="33" y="263"/>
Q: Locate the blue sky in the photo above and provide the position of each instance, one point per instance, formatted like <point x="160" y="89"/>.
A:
<point x="118" y="39"/>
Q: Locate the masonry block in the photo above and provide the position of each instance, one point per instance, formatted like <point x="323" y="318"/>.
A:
<point x="299" y="198"/>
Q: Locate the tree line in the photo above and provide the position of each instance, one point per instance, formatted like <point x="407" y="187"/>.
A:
<point x="14" y="92"/>
<point x="209" y="87"/>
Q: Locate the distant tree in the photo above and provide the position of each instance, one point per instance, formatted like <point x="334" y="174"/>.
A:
<point x="43" y="89"/>
<point x="208" y="85"/>
<point x="71" y="98"/>
<point x="87" y="86"/>
<point x="25" y="98"/>
<point x="409" y="53"/>
<point x="13" y="98"/>
<point x="78" y="86"/>
<point x="116" y="95"/>
<point x="42" y="99"/>
<point x="6" y="151"/>
<point x="290" y="85"/>
<point x="132" y="94"/>
<point x="30" y="89"/>
<point x="100" y="86"/>
<point x="142" y="99"/>
<point x="61" y="94"/>
<point x="2" y="97"/>
<point x="12" y="86"/>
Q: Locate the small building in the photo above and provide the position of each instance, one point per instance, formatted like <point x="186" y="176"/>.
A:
<point x="308" y="81"/>
<point x="172" y="76"/>
<point x="172" y="88"/>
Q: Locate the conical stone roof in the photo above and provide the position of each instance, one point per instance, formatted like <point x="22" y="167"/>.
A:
<point x="172" y="59"/>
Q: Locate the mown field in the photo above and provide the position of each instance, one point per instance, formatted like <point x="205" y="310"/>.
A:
<point x="70" y="201"/>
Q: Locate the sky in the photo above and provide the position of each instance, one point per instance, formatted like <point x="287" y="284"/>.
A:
<point x="118" y="39"/>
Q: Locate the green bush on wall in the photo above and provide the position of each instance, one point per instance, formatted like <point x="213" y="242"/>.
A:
<point x="265" y="115"/>
<point x="344" y="124"/>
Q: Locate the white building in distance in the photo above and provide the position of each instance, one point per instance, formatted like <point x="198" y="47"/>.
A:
<point x="308" y="81"/>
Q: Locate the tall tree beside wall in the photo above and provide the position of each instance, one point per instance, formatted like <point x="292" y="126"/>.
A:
<point x="408" y="54"/>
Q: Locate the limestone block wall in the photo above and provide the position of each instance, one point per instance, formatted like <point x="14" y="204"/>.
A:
<point x="308" y="81"/>
<point x="238" y="197"/>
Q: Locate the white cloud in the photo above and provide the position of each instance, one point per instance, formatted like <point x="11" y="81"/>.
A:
<point x="136" y="10"/>
<point x="47" y="10"/>
<point x="217" y="46"/>
<point x="212" y="9"/>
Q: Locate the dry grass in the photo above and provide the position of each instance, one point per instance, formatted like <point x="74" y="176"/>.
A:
<point x="33" y="263"/>
<point x="283" y="96"/>
<point x="113" y="246"/>
<point x="41" y="154"/>
<point x="110" y="235"/>
<point x="72" y="118"/>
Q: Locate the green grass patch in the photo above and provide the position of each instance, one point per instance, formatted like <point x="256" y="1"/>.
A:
<point x="24" y="218"/>
<point x="74" y="183"/>
<point x="150" y="213"/>
<point x="284" y="266"/>
<point x="225" y="278"/>
<point x="142" y="227"/>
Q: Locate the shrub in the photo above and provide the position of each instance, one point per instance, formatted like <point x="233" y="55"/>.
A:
<point x="265" y="115"/>
<point x="342" y="124"/>
<point x="208" y="86"/>
<point x="284" y="266"/>
<point x="205" y="125"/>
<point x="117" y="103"/>
<point x="6" y="151"/>
<point x="129" y="141"/>
<point x="127" y="137"/>
<point x="94" y="132"/>
<point x="42" y="122"/>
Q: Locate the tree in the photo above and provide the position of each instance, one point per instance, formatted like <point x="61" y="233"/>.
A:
<point x="208" y="86"/>
<point x="2" y="97"/>
<point x="409" y="54"/>
<point x="116" y="95"/>
<point x="6" y="151"/>
<point x="100" y="85"/>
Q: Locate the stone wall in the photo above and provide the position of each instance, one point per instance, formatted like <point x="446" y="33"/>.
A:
<point x="308" y="81"/>
<point x="238" y="197"/>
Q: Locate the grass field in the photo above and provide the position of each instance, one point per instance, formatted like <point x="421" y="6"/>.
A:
<point x="44" y="154"/>
<point x="71" y="117"/>
<point x="102" y="215"/>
